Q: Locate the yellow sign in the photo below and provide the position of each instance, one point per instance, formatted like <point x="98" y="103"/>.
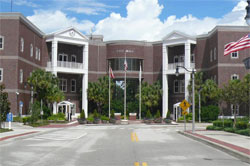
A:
<point x="184" y="112"/>
<point x="184" y="105"/>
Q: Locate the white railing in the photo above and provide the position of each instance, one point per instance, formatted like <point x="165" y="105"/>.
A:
<point x="72" y="65"/>
<point x="172" y="66"/>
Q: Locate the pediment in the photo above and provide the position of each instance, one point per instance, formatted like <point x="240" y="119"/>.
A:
<point x="175" y="35"/>
<point x="72" y="33"/>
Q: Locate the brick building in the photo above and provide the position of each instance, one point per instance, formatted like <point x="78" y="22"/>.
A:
<point x="78" y="59"/>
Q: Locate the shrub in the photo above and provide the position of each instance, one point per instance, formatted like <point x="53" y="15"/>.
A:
<point x="17" y="119"/>
<point x="210" y="127"/>
<point x="228" y="123"/>
<point x="148" y="115"/>
<point x="112" y="116"/>
<point x="243" y="132"/>
<point x="168" y="115"/>
<point x="82" y="114"/>
<point x="56" y="117"/>
<point x="241" y="125"/>
<point x="218" y="123"/>
<point x="158" y="114"/>
<point x="96" y="115"/>
<point x="229" y="129"/>
<point x="26" y="120"/>
<point x="209" y="113"/>
<point x="104" y="118"/>
<point x="90" y="119"/>
<point x="248" y="125"/>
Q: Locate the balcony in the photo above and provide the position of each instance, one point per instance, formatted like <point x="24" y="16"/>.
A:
<point x="172" y="67"/>
<point x="63" y="64"/>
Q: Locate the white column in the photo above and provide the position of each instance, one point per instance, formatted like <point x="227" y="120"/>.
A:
<point x="85" y="79"/>
<point x="54" y="53"/>
<point x="165" y="82"/>
<point x="187" y="55"/>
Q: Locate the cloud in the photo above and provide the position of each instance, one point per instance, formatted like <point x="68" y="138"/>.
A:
<point x="142" y="22"/>
<point x="86" y="10"/>
<point x="50" y="21"/>
<point x="22" y="3"/>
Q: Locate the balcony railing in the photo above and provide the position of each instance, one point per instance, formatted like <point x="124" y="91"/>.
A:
<point x="172" y="66"/>
<point x="72" y="65"/>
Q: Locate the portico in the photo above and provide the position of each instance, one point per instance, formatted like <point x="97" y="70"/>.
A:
<point x="178" y="50"/>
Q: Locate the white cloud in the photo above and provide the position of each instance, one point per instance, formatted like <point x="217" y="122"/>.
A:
<point x="142" y="22"/>
<point x="86" y="10"/>
<point x="22" y="3"/>
<point x="50" y="21"/>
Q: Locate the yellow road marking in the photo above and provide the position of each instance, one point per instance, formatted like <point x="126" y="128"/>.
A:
<point x="144" y="164"/>
<point x="136" y="164"/>
<point x="134" y="137"/>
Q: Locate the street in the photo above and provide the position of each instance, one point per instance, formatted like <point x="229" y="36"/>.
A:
<point x="114" y="145"/>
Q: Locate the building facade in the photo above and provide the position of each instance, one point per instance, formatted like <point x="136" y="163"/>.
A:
<point x="77" y="59"/>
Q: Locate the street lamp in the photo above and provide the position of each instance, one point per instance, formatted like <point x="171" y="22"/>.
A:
<point x="17" y="107"/>
<point x="247" y="18"/>
<point x="193" y="105"/>
<point x="200" y="104"/>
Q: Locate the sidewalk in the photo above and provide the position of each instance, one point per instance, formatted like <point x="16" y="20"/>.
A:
<point x="233" y="144"/>
<point x="20" y="130"/>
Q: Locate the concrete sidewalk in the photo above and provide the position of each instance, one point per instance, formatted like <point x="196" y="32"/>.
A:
<point x="233" y="144"/>
<point x="20" y="130"/>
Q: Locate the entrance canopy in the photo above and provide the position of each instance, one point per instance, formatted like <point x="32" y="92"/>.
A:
<point x="177" y="111"/>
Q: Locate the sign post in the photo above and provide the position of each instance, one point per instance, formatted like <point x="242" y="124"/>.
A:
<point x="9" y="119"/>
<point x="184" y="106"/>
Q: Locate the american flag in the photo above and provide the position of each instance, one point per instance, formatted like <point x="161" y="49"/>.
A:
<point x="125" y="65"/>
<point x="241" y="44"/>
<point x="111" y="74"/>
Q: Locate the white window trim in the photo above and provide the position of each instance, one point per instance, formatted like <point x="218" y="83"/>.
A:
<point x="1" y="69"/>
<point x="36" y="53"/>
<point x="62" y="79"/>
<point x="2" y="42"/>
<point x="235" y="57"/>
<point x="72" y="85"/>
<point x="21" y="76"/>
<point x="235" y="75"/>
<point x="237" y="109"/>
<point x="39" y="54"/>
<point x="178" y="86"/>
<point x="72" y="57"/>
<point x="31" y="50"/>
<point x="63" y="55"/>
<point x="21" y="44"/>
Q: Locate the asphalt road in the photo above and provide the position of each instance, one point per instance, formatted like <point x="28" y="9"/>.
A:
<point x="128" y="145"/>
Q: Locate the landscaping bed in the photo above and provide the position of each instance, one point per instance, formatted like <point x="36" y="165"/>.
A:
<point x="5" y="130"/>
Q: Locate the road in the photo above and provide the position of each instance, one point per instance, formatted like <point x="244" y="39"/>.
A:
<point x="118" y="145"/>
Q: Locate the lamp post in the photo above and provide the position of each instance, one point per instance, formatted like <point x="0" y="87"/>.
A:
<point x="247" y="18"/>
<point x="200" y="104"/>
<point x="193" y="105"/>
<point x="17" y="106"/>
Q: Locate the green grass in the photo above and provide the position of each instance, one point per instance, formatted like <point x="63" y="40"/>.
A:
<point x="38" y="124"/>
<point x="5" y="130"/>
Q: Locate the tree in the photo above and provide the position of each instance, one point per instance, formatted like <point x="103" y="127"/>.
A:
<point x="45" y="86"/>
<point x="98" y="92"/>
<point x="150" y="94"/>
<point x="210" y="93"/>
<point x="4" y="104"/>
<point x="233" y="93"/>
<point x="246" y="89"/>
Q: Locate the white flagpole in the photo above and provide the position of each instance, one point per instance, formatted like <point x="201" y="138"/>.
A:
<point x="125" y="93"/>
<point x="109" y="89"/>
<point x="140" y="92"/>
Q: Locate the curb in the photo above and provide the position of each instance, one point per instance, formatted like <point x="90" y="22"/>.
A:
<point x="240" y="155"/>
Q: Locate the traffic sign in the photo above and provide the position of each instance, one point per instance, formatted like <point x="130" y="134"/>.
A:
<point x="9" y="117"/>
<point x="184" y="112"/>
<point x="184" y="105"/>
<point x="20" y="103"/>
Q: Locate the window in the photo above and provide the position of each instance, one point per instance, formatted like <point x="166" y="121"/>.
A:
<point x="63" y="57"/>
<point x="1" y="42"/>
<point x="215" y="78"/>
<point x="211" y="56"/>
<point x="215" y="53"/>
<point x="133" y="64"/>
<point x="31" y="50"/>
<point x="22" y="45"/>
<point x="192" y="58"/>
<point x="176" y="86"/>
<point x="39" y="54"/>
<point x="36" y="53"/>
<point x="235" y="55"/>
<point x="234" y="77"/>
<point x="1" y="74"/>
<point x="182" y="86"/>
<point x="21" y="76"/>
<point x="73" y="58"/>
<point x="63" y="85"/>
<point x="235" y="109"/>
<point x="73" y="85"/>
<point x="176" y="59"/>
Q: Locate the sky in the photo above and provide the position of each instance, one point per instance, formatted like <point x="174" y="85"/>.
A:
<point x="149" y="20"/>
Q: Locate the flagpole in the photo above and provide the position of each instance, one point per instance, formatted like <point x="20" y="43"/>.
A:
<point x="140" y="93"/>
<point x="125" y="93"/>
<point x="109" y="89"/>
